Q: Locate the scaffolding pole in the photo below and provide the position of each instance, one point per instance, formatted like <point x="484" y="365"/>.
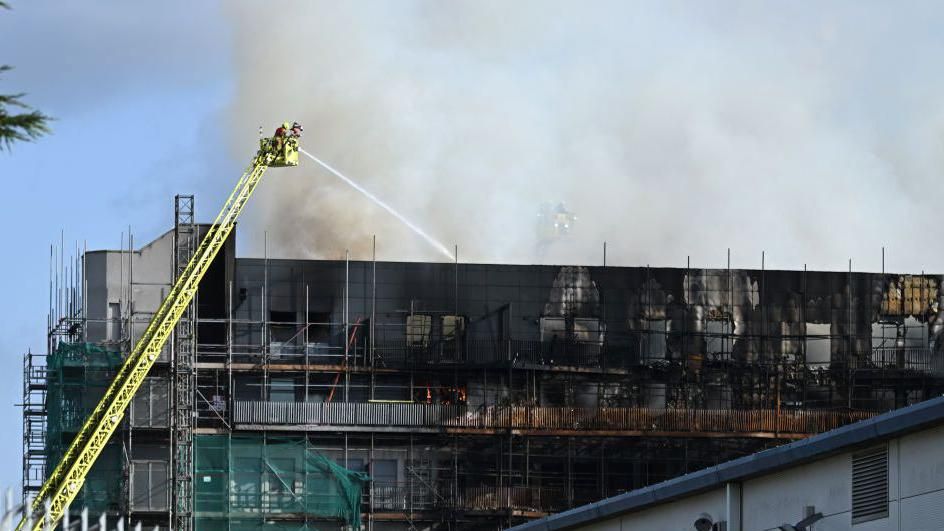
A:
<point x="183" y="370"/>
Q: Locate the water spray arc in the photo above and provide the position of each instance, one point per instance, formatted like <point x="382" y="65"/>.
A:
<point x="420" y="232"/>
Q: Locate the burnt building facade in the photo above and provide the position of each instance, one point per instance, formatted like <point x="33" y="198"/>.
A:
<point x="333" y="393"/>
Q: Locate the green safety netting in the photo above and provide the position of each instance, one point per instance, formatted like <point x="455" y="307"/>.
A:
<point x="241" y="482"/>
<point x="247" y="481"/>
<point x="77" y="375"/>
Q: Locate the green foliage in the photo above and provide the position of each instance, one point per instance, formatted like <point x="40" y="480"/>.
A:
<point x="24" y="126"/>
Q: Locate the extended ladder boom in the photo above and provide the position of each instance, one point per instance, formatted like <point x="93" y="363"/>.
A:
<point x="64" y="483"/>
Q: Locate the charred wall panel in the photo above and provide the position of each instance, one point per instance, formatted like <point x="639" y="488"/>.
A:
<point x="714" y="337"/>
<point x="768" y="310"/>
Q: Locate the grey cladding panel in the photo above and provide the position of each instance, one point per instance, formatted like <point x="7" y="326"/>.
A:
<point x="149" y="489"/>
<point x="149" y="409"/>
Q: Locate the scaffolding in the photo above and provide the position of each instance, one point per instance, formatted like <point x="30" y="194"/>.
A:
<point x="77" y="375"/>
<point x="35" y="385"/>
<point x="461" y="395"/>
<point x="183" y="374"/>
<point x="718" y="365"/>
<point x="42" y="382"/>
<point x="247" y="480"/>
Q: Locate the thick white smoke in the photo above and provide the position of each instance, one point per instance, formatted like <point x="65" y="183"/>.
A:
<point x="813" y="132"/>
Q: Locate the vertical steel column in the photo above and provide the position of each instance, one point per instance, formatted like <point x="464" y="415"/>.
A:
<point x="765" y="400"/>
<point x="570" y="471"/>
<point x="510" y="474"/>
<point x="231" y="401"/>
<point x="305" y="345"/>
<point x="183" y="356"/>
<point x="131" y="339"/>
<point x="264" y="389"/>
<point x="527" y="462"/>
<point x="727" y="332"/>
<point x="84" y="294"/>
<point x="455" y="475"/>
<point x="804" y="318"/>
<point x="603" y="469"/>
<point x="850" y="341"/>
<point x="347" y="326"/>
<point x="129" y="439"/>
<point x="409" y="485"/>
<point x="373" y="319"/>
<point x="370" y="488"/>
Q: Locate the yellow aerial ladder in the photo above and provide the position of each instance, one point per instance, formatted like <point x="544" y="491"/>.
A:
<point x="64" y="483"/>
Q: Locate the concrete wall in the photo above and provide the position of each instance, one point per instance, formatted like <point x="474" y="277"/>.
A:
<point x="117" y="308"/>
<point x="108" y="300"/>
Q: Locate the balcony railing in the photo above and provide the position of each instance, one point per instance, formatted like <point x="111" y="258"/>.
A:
<point x="402" y="354"/>
<point x="404" y="497"/>
<point x="518" y="352"/>
<point x="917" y="359"/>
<point x="522" y="498"/>
<point x="400" y="497"/>
<point x="611" y="354"/>
<point x="541" y="418"/>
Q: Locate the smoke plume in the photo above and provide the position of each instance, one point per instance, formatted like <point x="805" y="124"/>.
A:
<point x="812" y="131"/>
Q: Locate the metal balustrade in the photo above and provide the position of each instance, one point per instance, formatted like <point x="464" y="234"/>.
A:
<point x="400" y="354"/>
<point x="786" y="422"/>
<point x="521" y="498"/>
<point x="416" y="497"/>
<point x="917" y="359"/>
<point x="394" y="354"/>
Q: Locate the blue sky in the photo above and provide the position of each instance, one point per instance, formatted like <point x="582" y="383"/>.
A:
<point x="136" y="94"/>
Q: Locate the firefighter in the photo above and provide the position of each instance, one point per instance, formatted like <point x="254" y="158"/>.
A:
<point x="279" y="138"/>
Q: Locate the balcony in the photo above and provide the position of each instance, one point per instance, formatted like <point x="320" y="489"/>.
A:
<point x="301" y="416"/>
<point x="913" y="359"/>
<point x="399" y="354"/>
<point x="415" y="497"/>
<point x="526" y="354"/>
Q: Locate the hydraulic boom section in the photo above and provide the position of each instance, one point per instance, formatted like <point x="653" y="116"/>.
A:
<point x="65" y="481"/>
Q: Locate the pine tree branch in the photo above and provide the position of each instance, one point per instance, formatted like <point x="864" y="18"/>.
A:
<point x="21" y="127"/>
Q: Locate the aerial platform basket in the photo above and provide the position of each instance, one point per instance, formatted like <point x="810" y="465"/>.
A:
<point x="286" y="155"/>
